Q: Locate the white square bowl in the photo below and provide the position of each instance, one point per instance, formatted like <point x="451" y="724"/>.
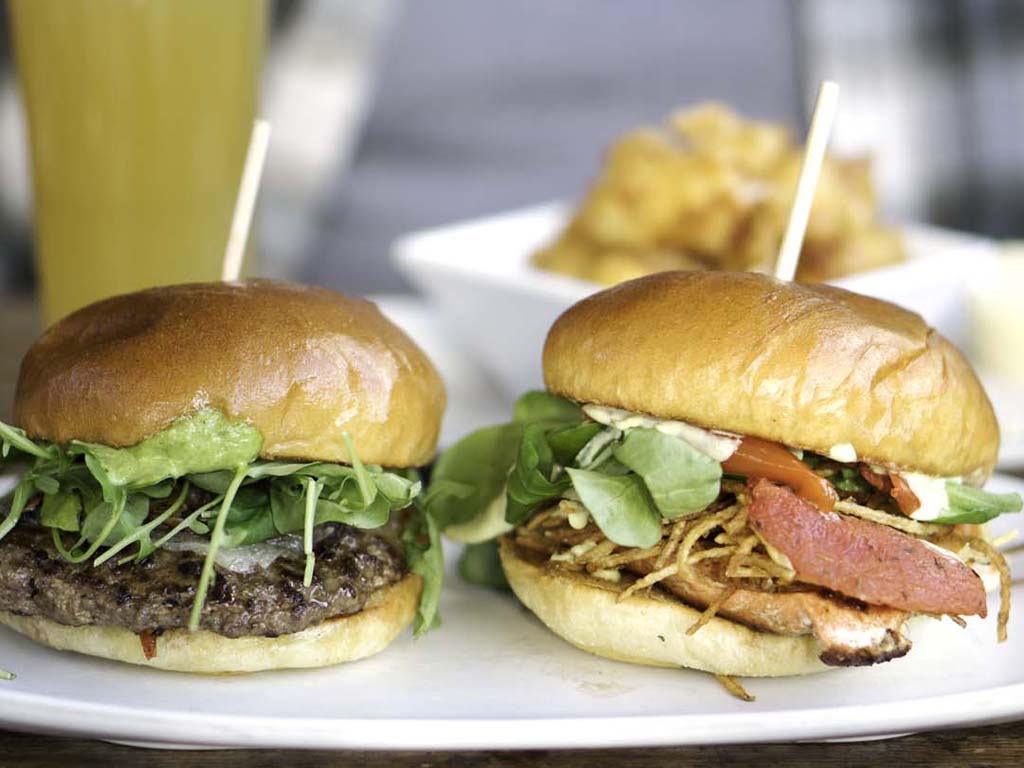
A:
<point x="499" y="307"/>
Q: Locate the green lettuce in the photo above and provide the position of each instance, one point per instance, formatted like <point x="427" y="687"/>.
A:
<point x="620" y="505"/>
<point x="628" y="481"/>
<point x="481" y="565"/>
<point x="974" y="506"/>
<point x="471" y="474"/>
<point x="105" y="497"/>
<point x="680" y="479"/>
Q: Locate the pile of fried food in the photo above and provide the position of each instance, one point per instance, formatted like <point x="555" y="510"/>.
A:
<point x="712" y="191"/>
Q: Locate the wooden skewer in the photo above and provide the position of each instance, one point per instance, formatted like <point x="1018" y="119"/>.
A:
<point x="245" y="203"/>
<point x="810" y="170"/>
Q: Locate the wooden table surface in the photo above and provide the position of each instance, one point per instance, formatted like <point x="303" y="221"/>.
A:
<point x="1001" y="745"/>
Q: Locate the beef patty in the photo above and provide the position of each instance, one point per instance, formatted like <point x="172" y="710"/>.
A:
<point x="156" y="594"/>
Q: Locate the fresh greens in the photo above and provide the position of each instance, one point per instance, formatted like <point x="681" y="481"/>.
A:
<point x="543" y="406"/>
<point x="974" y="506"/>
<point x="13" y="438"/>
<point x="422" y="539"/>
<point x="850" y="480"/>
<point x="620" y="506"/>
<point x="471" y="474"/>
<point x="112" y="499"/>
<point x="628" y="481"/>
<point x="480" y="564"/>
<point x="535" y="478"/>
<point x="215" y="541"/>
<point x="680" y="479"/>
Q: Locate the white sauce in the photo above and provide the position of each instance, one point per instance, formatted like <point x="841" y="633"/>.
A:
<point x="718" y="445"/>
<point x="931" y="492"/>
<point x="844" y="453"/>
<point x="579" y="518"/>
<point x="247" y="559"/>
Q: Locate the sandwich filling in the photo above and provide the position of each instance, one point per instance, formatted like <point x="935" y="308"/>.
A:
<point x="780" y="539"/>
<point x="190" y="528"/>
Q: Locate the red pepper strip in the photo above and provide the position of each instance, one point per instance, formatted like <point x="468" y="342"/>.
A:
<point x="761" y="458"/>
<point x="894" y="485"/>
<point x="906" y="499"/>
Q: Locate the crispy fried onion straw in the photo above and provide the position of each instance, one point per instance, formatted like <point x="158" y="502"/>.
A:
<point x="711" y="610"/>
<point x="722" y="534"/>
<point x="905" y="524"/>
<point x="995" y="558"/>
<point x="732" y="685"/>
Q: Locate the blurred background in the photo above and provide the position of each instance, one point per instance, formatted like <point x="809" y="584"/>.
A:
<point x="391" y="116"/>
<point x="123" y="127"/>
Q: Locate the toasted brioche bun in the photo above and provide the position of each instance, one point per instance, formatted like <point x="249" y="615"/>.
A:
<point x="302" y="364"/>
<point x="810" y="366"/>
<point x="346" y="638"/>
<point x="649" y="629"/>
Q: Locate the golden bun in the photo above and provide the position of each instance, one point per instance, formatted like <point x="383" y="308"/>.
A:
<point x="346" y="638"/>
<point x="302" y="364"/>
<point x="810" y="366"/>
<point x="650" y="629"/>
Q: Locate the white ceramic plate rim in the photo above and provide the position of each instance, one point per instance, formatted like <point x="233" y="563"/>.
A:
<point x="52" y="714"/>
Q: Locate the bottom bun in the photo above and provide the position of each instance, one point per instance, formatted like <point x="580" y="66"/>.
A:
<point x="650" y="629"/>
<point x="345" y="638"/>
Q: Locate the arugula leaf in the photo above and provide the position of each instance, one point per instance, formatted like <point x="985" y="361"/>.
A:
<point x="312" y="492"/>
<point x="46" y="484"/>
<point x="423" y="553"/>
<point x="104" y="493"/>
<point x="974" y="506"/>
<point x="61" y="510"/>
<point x="249" y="525"/>
<point x="480" y="564"/>
<point x="98" y="528"/>
<point x="15" y="438"/>
<point x="539" y="405"/>
<point x="141" y="533"/>
<point x="18" y="501"/>
<point x="620" y="506"/>
<point x="216" y="539"/>
<point x="850" y="480"/>
<point x="532" y="480"/>
<point x="471" y="474"/>
<point x="567" y="442"/>
<point x="680" y="479"/>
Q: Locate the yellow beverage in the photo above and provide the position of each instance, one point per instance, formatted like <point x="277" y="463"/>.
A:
<point x="139" y="115"/>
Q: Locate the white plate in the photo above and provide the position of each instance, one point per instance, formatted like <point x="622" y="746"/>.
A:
<point x="493" y="677"/>
<point x="488" y="294"/>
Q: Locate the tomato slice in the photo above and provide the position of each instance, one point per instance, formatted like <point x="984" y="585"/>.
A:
<point x="762" y="458"/>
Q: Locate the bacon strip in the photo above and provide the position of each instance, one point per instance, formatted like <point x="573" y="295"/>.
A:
<point x="864" y="560"/>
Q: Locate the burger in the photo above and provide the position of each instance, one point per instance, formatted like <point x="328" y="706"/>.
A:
<point x="737" y="475"/>
<point x="221" y="477"/>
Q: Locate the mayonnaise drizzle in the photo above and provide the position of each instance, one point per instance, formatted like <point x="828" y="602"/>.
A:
<point x="931" y="492"/>
<point x="718" y="445"/>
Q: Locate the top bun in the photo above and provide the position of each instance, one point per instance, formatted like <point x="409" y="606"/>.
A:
<point x="302" y="364"/>
<point x="810" y="366"/>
